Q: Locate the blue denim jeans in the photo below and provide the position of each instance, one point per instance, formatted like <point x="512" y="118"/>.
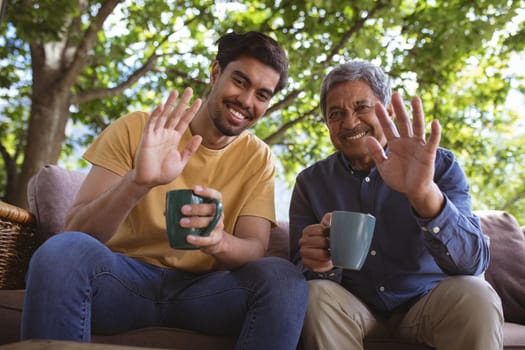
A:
<point x="77" y="286"/>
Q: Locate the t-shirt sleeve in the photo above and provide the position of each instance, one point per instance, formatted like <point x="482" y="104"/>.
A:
<point x="115" y="148"/>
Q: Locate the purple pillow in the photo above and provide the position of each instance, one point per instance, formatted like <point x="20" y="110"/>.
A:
<point x="50" y="193"/>
<point x="506" y="271"/>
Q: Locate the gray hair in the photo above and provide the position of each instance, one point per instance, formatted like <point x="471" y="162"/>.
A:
<point x="357" y="70"/>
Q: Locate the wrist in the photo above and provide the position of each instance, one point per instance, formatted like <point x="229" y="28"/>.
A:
<point x="140" y="189"/>
<point x="428" y="204"/>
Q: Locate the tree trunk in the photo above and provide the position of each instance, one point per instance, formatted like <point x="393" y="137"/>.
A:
<point x="56" y="67"/>
<point x="45" y="137"/>
<point x="49" y="116"/>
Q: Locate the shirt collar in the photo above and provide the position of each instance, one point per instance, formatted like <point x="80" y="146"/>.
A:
<point x="348" y="165"/>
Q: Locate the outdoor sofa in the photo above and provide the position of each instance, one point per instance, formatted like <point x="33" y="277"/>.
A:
<point x="51" y="191"/>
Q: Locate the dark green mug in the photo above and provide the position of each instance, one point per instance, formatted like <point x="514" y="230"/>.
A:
<point x="176" y="234"/>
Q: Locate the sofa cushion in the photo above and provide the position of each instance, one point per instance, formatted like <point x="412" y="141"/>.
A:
<point x="11" y="302"/>
<point x="279" y="243"/>
<point x="50" y="193"/>
<point x="506" y="271"/>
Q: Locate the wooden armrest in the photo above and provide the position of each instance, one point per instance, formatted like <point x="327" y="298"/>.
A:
<point x="13" y="213"/>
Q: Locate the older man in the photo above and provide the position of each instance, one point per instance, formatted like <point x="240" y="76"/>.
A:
<point x="419" y="279"/>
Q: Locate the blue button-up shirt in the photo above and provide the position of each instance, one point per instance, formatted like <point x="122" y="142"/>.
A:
<point x="409" y="255"/>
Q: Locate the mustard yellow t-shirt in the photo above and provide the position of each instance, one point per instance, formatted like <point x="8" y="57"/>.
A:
<point x="243" y="172"/>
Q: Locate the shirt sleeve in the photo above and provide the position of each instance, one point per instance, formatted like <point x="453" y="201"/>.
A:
<point x="115" y="148"/>
<point x="302" y="215"/>
<point x="454" y="237"/>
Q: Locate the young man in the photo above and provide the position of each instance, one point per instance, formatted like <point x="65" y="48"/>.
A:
<point x="114" y="270"/>
<point x="418" y="281"/>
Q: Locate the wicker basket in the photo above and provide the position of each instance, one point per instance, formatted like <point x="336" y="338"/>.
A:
<point x="18" y="241"/>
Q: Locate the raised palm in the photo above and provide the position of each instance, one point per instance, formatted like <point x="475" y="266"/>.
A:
<point x="409" y="165"/>
<point x="158" y="160"/>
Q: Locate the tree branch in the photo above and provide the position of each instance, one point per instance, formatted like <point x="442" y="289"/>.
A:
<point x="5" y="154"/>
<point x="179" y="73"/>
<point x="94" y="94"/>
<point x="264" y="26"/>
<point x="513" y="200"/>
<point x="279" y="134"/>
<point x="354" y="29"/>
<point x="87" y="43"/>
<point x="284" y="102"/>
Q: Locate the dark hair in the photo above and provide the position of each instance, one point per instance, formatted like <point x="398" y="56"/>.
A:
<point x="365" y="71"/>
<point x="256" y="45"/>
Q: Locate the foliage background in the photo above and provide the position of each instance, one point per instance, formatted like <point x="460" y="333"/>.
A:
<point x="70" y="67"/>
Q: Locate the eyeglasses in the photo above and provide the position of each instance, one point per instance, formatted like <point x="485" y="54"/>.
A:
<point x="339" y="114"/>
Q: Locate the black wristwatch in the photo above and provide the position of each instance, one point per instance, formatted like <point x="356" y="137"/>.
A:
<point x="334" y="274"/>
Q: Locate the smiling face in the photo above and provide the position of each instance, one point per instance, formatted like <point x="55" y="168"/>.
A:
<point x="350" y="116"/>
<point x="240" y="94"/>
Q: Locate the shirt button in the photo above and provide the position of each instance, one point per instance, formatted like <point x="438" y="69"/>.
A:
<point x="367" y="179"/>
<point x="373" y="253"/>
<point x="381" y="289"/>
<point x="436" y="229"/>
<point x="448" y="254"/>
<point x="423" y="228"/>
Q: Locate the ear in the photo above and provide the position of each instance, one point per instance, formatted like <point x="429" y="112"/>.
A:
<point x="215" y="71"/>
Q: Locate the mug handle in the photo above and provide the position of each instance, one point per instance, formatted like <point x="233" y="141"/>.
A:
<point x="218" y="213"/>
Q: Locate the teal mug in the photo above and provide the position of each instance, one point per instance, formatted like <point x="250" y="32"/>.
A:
<point x="351" y="234"/>
<point x="175" y="200"/>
